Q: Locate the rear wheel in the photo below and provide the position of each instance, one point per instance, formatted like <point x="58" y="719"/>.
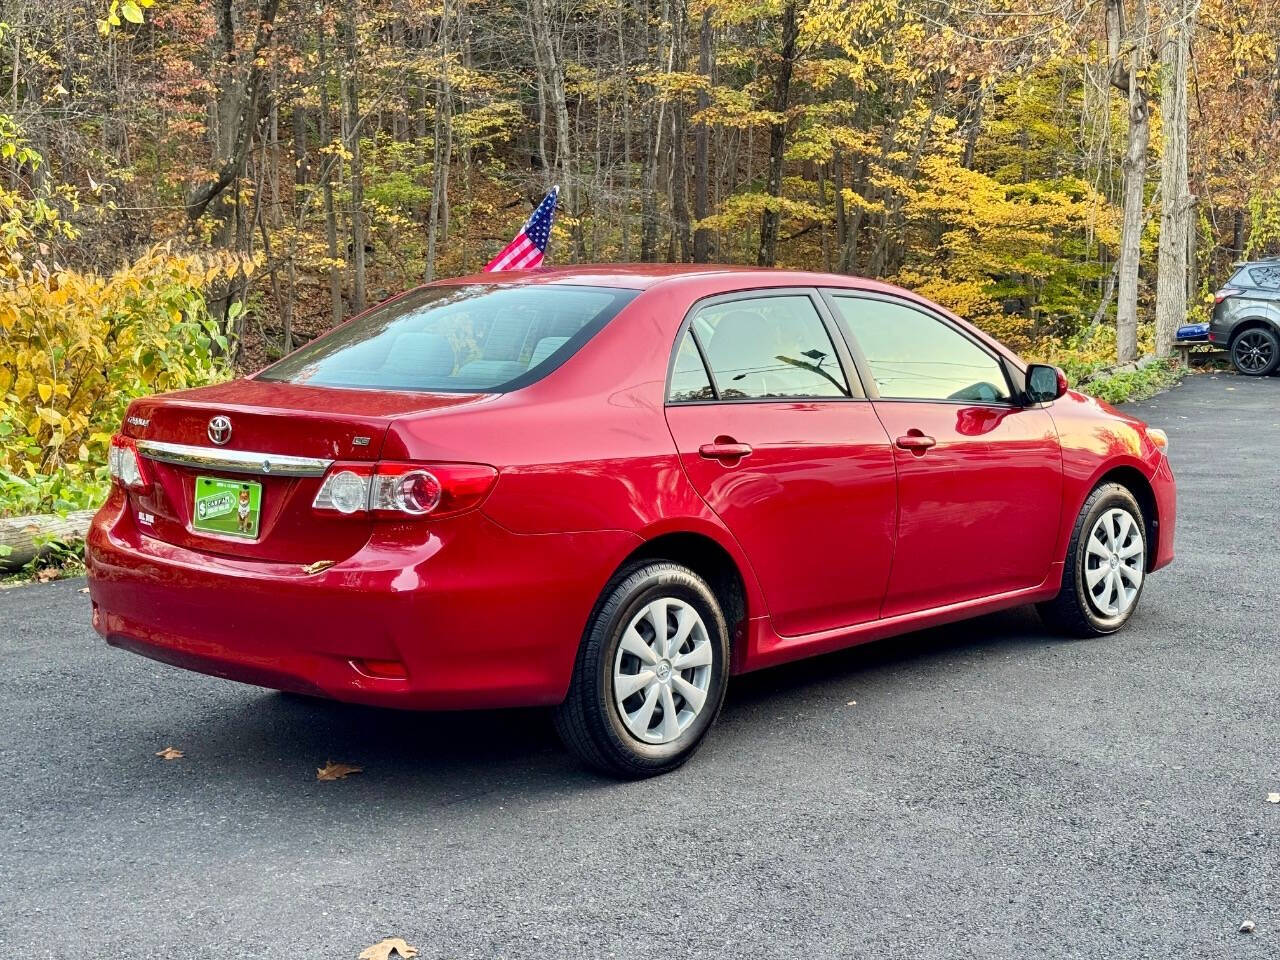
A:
<point x="1256" y="352"/>
<point x="650" y="675"/>
<point x="1105" y="567"/>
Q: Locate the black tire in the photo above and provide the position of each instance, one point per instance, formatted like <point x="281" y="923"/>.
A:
<point x="1255" y="352"/>
<point x="1072" y="612"/>
<point x="589" y="721"/>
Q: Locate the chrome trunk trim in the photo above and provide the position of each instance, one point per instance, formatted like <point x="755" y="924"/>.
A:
<point x="233" y="461"/>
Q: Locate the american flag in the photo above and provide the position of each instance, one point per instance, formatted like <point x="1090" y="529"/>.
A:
<point x="526" y="250"/>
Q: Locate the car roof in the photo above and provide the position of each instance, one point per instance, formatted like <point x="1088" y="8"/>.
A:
<point x="642" y="276"/>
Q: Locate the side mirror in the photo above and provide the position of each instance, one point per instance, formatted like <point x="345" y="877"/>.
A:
<point x="1045" y="383"/>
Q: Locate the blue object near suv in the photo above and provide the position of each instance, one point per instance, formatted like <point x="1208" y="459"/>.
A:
<point x="1246" y="317"/>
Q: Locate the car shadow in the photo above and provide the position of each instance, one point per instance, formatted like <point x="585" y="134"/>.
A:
<point x="448" y="757"/>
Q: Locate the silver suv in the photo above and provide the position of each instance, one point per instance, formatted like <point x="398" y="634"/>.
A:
<point x="1246" y="317"/>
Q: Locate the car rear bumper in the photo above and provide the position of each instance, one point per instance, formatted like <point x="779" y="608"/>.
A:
<point x="474" y="615"/>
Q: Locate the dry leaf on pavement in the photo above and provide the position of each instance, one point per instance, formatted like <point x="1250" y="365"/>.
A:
<point x="383" y="950"/>
<point x="169" y="753"/>
<point x="336" y="771"/>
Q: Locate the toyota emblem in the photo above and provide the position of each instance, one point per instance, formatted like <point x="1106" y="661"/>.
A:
<point x="220" y="430"/>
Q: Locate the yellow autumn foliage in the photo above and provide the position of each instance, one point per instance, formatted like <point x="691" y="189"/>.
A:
<point x="75" y="348"/>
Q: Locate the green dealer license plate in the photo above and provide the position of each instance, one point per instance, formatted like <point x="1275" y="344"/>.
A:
<point x="228" y="507"/>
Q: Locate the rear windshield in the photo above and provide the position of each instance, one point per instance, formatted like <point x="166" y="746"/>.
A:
<point x="478" y="337"/>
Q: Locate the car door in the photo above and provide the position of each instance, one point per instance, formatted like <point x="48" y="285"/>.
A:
<point x="979" y="473"/>
<point x="780" y="441"/>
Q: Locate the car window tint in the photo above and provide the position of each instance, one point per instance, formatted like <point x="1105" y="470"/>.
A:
<point x="468" y="337"/>
<point x="914" y="356"/>
<point x="689" y="380"/>
<point x="769" y="348"/>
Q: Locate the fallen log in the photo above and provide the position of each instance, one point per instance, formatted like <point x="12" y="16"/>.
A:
<point x="28" y="537"/>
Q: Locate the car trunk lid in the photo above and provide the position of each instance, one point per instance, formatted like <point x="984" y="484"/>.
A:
<point x="277" y="442"/>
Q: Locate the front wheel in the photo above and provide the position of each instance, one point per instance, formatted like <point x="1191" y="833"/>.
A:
<point x="1256" y="352"/>
<point x="651" y="673"/>
<point x="1105" y="566"/>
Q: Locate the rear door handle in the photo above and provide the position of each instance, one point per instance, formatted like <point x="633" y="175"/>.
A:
<point x="724" y="449"/>
<point x="916" y="442"/>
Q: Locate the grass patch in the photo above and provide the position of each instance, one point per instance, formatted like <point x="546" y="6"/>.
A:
<point x="1136" y="384"/>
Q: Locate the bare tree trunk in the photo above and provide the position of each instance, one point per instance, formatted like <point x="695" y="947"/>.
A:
<point x="770" y="219"/>
<point x="330" y="211"/>
<point x="236" y="111"/>
<point x="679" y="169"/>
<point x="653" y="154"/>
<point x="552" y="71"/>
<point x="626" y="137"/>
<point x="702" y="169"/>
<point x="842" y="219"/>
<point x="301" y="152"/>
<point x="1175" y="192"/>
<point x="1132" y="81"/>
<point x="273" y="135"/>
<point x="352" y="128"/>
<point x="443" y="147"/>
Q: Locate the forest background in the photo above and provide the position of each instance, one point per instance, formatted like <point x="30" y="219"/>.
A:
<point x="190" y="189"/>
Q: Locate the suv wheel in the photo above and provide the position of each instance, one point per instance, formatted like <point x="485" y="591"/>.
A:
<point x="651" y="672"/>
<point x="1105" y="568"/>
<point x="1255" y="352"/>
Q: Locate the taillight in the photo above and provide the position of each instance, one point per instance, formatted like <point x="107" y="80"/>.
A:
<point x="401" y="489"/>
<point x="405" y="489"/>
<point x="1223" y="294"/>
<point x="345" y="489"/>
<point x="125" y="465"/>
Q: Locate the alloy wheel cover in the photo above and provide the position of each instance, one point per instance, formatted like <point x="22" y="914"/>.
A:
<point x="1253" y="351"/>
<point x="1114" y="563"/>
<point x="662" y="671"/>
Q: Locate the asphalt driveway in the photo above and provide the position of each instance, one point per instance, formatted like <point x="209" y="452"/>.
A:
<point x="991" y="793"/>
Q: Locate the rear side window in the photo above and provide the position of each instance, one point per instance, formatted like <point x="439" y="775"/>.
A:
<point x="914" y="356"/>
<point x="763" y="348"/>
<point x="689" y="380"/>
<point x="479" y="337"/>
<point x="1268" y="277"/>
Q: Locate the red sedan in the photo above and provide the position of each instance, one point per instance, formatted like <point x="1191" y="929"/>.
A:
<point x="607" y="489"/>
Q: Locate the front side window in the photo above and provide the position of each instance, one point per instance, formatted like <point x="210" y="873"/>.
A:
<point x="478" y="337"/>
<point x="767" y="348"/>
<point x="914" y="356"/>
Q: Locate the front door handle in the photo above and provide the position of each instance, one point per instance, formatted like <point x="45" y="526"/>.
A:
<point x="916" y="442"/>
<point x="724" y="449"/>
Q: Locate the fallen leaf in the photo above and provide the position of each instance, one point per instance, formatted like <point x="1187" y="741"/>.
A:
<point x="47" y="574"/>
<point x="336" y="771"/>
<point x="1246" y="927"/>
<point x="169" y="753"/>
<point x="319" y="565"/>
<point x="384" y="948"/>
<point x="1273" y="798"/>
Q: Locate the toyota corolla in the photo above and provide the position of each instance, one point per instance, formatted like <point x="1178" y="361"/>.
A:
<point x="608" y="489"/>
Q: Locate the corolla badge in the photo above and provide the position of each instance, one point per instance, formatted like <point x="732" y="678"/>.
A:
<point x="220" y="430"/>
